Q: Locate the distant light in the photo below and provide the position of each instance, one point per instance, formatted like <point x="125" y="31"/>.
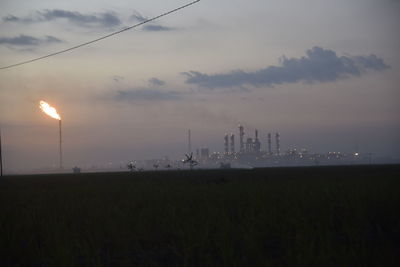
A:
<point x="49" y="110"/>
<point x="356" y="154"/>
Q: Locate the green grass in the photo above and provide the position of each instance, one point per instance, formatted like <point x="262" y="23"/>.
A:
<point x="315" y="216"/>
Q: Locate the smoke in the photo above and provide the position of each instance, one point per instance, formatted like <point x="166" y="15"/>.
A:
<point x="319" y="65"/>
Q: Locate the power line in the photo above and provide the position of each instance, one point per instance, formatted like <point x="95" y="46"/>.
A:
<point x="101" y="38"/>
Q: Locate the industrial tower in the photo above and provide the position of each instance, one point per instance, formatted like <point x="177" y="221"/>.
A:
<point x="269" y="144"/>
<point x="226" y="144"/>
<point x="278" y="145"/>
<point x="256" y="143"/>
<point x="241" y="136"/>
<point x="232" y="143"/>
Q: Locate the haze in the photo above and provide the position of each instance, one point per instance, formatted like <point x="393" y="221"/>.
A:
<point x="322" y="73"/>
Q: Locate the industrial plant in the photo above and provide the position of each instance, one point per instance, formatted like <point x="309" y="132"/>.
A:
<point x="250" y="152"/>
<point x="256" y="149"/>
<point x="261" y="149"/>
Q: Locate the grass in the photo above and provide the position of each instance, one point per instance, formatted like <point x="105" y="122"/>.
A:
<point x="314" y="216"/>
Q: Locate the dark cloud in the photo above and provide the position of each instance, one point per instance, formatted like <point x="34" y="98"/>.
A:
<point x="117" y="78"/>
<point x="147" y="94"/>
<point x="52" y="39"/>
<point x="136" y="16"/>
<point x="150" y="27"/>
<point x="156" y="82"/>
<point x="106" y="19"/>
<point x="157" y="28"/>
<point x="319" y="65"/>
<point x="10" y="18"/>
<point x="26" y="40"/>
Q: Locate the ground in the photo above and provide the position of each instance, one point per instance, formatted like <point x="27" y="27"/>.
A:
<point x="311" y="216"/>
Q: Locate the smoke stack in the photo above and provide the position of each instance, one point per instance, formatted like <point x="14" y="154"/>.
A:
<point x="52" y="112"/>
<point x="269" y="144"/>
<point x="189" y="142"/>
<point x="278" y="144"/>
<point x="61" y="159"/>
<point x="256" y="143"/>
<point x="241" y="136"/>
<point x="232" y="143"/>
<point x="226" y="143"/>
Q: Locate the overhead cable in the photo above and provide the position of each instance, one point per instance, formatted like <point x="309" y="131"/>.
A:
<point x="100" y="38"/>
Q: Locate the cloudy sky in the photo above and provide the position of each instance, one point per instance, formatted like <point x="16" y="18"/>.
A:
<point x="322" y="73"/>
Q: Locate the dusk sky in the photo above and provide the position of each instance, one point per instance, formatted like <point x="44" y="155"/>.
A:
<point x="324" y="74"/>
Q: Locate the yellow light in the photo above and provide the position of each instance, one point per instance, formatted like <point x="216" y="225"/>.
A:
<point x="49" y="110"/>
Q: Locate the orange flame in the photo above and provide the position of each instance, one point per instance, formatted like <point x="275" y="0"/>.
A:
<point x="49" y="110"/>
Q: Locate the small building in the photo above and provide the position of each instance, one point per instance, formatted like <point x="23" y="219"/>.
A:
<point x="76" y="169"/>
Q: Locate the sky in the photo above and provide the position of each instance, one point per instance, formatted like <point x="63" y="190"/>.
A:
<point x="324" y="74"/>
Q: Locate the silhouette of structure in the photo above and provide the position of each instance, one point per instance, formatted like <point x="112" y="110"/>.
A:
<point x="131" y="166"/>
<point x="189" y="160"/>
<point x="226" y="144"/>
<point x="256" y="143"/>
<point x="204" y="154"/>
<point x="269" y="144"/>
<point x="278" y="144"/>
<point x="250" y="154"/>
<point x="61" y="159"/>
<point x="232" y="143"/>
<point x="241" y="136"/>
<point x="249" y="145"/>
<point x="189" y="142"/>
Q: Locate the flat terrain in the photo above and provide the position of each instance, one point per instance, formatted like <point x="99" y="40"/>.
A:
<point x="314" y="216"/>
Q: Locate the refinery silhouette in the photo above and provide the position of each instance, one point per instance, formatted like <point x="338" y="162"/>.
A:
<point x="250" y="151"/>
<point x="258" y="149"/>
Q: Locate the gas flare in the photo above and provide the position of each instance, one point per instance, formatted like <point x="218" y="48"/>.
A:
<point x="49" y="110"/>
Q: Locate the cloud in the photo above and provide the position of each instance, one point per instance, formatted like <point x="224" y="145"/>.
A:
<point x="26" y="40"/>
<point x="157" y="28"/>
<point x="52" y="39"/>
<point x="117" y="78"/>
<point x="136" y="16"/>
<point x="105" y="19"/>
<point x="11" y="18"/>
<point x="147" y="94"/>
<point x="156" y="82"/>
<point x="319" y="65"/>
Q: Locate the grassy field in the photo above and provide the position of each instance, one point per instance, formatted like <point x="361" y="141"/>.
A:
<point x="314" y="216"/>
